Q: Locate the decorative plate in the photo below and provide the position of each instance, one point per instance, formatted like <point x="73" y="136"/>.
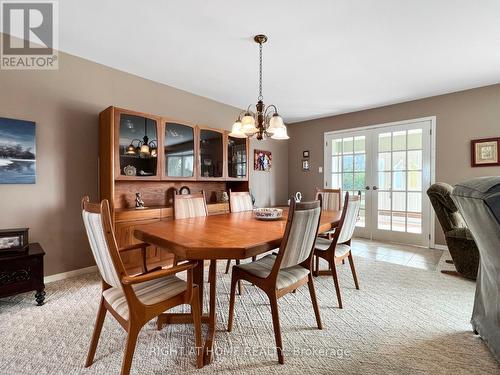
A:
<point x="130" y="170"/>
<point x="268" y="213"/>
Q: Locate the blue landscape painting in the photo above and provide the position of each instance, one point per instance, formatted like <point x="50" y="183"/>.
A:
<point x="17" y="152"/>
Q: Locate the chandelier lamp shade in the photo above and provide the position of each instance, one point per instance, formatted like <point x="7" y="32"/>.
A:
<point x="143" y="148"/>
<point x="264" y="121"/>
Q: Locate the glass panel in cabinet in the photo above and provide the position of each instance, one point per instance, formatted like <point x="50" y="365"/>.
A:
<point x="211" y="153"/>
<point x="236" y="157"/>
<point x="138" y="146"/>
<point x="179" y="150"/>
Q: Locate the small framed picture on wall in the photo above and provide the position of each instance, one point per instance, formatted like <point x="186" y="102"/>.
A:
<point x="305" y="165"/>
<point x="305" y="154"/>
<point x="485" y="152"/>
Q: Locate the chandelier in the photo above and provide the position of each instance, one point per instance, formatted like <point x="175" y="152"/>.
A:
<point x="265" y="120"/>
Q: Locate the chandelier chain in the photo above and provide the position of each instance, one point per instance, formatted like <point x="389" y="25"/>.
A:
<point x="260" y="72"/>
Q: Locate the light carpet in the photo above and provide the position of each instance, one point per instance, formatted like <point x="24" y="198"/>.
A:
<point x="402" y="321"/>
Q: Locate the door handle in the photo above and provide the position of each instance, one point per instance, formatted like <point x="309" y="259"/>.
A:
<point x="375" y="188"/>
<point x="367" y="188"/>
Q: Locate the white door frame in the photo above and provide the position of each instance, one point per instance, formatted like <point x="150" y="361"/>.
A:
<point x="432" y="119"/>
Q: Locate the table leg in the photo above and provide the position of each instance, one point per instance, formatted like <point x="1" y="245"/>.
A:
<point x="198" y="280"/>
<point x="40" y="296"/>
<point x="209" y="343"/>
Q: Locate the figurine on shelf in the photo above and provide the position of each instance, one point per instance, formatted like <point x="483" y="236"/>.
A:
<point x="139" y="203"/>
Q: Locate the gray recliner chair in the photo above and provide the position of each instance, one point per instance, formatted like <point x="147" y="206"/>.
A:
<point x="463" y="249"/>
<point x="479" y="202"/>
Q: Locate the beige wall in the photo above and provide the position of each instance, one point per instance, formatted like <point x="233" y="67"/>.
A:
<point x="270" y="188"/>
<point x="460" y="117"/>
<point x="65" y="105"/>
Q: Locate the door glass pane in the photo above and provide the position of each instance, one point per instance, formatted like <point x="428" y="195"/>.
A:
<point x="384" y="220"/>
<point x="384" y="180"/>
<point x="336" y="180"/>
<point x="384" y="161"/>
<point x="138" y="148"/>
<point x="399" y="161"/>
<point x="236" y="157"/>
<point x="414" y="202"/>
<point x="336" y="164"/>
<point x="399" y="140"/>
<point x="347" y="181"/>
<point x="415" y="160"/>
<point x="337" y="147"/>
<point x="347" y="147"/>
<point x="399" y="201"/>
<point x="414" y="181"/>
<point x="399" y="180"/>
<point x="414" y="223"/>
<point x="347" y="163"/>
<point x="384" y="200"/>
<point x="359" y="144"/>
<point x="359" y="181"/>
<point x="414" y="139"/>
<point x="179" y="150"/>
<point x="398" y="222"/>
<point x="211" y="153"/>
<point x="360" y="162"/>
<point x="384" y="142"/>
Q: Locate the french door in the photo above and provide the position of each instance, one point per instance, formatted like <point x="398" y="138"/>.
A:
<point x="391" y="167"/>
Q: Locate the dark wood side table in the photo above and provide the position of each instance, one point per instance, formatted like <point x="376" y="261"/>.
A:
<point x="22" y="272"/>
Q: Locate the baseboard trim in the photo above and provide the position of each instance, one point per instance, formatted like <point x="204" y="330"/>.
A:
<point x="67" y="275"/>
<point x="440" y="247"/>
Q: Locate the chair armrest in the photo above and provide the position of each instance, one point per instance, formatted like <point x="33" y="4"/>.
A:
<point x="129" y="280"/>
<point x="141" y="245"/>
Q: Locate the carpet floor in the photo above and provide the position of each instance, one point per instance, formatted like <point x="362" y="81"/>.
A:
<point x="402" y="321"/>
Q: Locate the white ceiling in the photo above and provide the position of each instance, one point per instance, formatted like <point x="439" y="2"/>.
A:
<point x="322" y="57"/>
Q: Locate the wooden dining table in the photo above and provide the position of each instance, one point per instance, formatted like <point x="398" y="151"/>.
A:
<point x="218" y="237"/>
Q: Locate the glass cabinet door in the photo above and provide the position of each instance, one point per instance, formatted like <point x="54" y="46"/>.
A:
<point x="236" y="157"/>
<point x="211" y="154"/>
<point x="138" y="150"/>
<point x="179" y="150"/>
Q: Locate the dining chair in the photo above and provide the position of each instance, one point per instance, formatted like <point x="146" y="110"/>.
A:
<point x="134" y="300"/>
<point x="282" y="273"/>
<point x="190" y="205"/>
<point x="332" y="201"/>
<point x="239" y="201"/>
<point x="336" y="250"/>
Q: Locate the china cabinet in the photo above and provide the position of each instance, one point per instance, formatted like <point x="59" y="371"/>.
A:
<point x="156" y="156"/>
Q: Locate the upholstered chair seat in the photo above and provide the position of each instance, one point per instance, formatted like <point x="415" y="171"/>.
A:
<point x="262" y="268"/>
<point x="148" y="293"/>
<point x="323" y="244"/>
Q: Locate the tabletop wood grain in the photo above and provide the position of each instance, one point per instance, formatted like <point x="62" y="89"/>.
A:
<point x="228" y="236"/>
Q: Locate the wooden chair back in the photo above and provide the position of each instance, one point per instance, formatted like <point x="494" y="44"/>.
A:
<point x="190" y="205"/>
<point x="97" y="221"/>
<point x="240" y="201"/>
<point x="332" y="199"/>
<point x="300" y="235"/>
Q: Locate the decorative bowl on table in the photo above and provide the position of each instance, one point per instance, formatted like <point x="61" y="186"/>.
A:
<point x="268" y="213"/>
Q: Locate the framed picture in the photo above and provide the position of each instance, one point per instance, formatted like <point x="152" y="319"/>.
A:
<point x="485" y="152"/>
<point x="262" y="160"/>
<point x="13" y="239"/>
<point x="305" y="165"/>
<point x="305" y="154"/>
<point x="17" y="152"/>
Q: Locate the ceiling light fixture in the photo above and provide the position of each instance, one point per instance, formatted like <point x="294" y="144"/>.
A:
<point x="264" y="121"/>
